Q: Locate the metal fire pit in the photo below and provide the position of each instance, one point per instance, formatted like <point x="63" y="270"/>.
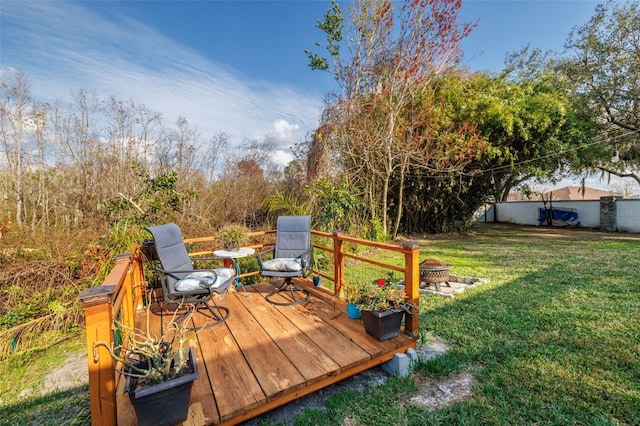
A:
<point x="434" y="272"/>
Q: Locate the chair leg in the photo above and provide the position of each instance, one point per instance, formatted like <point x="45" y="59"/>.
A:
<point x="215" y="313"/>
<point x="296" y="294"/>
<point x="244" y="289"/>
<point x="218" y="314"/>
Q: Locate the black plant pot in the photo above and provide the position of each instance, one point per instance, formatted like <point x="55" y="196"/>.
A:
<point x="383" y="325"/>
<point x="164" y="404"/>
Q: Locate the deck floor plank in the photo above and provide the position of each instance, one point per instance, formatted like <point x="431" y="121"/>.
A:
<point x="336" y="317"/>
<point x="269" y="364"/>
<point x="234" y="386"/>
<point x="201" y="390"/>
<point x="324" y="335"/>
<point x="310" y="360"/>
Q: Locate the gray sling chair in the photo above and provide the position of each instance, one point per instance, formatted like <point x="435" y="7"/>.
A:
<point x="182" y="283"/>
<point x="290" y="257"/>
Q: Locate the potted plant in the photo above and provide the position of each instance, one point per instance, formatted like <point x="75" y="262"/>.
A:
<point x="232" y="236"/>
<point x="159" y="371"/>
<point x="354" y="294"/>
<point x="382" y="309"/>
<point x="317" y="280"/>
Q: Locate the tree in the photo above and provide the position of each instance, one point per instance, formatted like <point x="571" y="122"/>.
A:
<point x="335" y="203"/>
<point x="14" y="134"/>
<point x="391" y="57"/>
<point x="602" y="72"/>
<point x="82" y="156"/>
<point x="425" y="143"/>
<point x="158" y="202"/>
<point x="247" y="180"/>
<point x="524" y="130"/>
<point x="212" y="152"/>
<point x="131" y="129"/>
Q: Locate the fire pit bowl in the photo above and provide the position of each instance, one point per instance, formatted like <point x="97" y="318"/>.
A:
<point x="434" y="272"/>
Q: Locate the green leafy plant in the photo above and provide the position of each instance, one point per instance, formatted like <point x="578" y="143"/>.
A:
<point x="334" y="202"/>
<point x="355" y="292"/>
<point x="232" y="236"/>
<point x="383" y="294"/>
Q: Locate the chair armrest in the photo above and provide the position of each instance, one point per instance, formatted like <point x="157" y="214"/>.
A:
<point x="306" y="268"/>
<point x="303" y="257"/>
<point x="259" y="255"/>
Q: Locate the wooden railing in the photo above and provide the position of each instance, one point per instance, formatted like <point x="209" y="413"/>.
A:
<point x="120" y="295"/>
<point x="117" y="299"/>
<point x="411" y="269"/>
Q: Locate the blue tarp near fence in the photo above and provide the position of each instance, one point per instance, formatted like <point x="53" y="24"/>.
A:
<point x="558" y="217"/>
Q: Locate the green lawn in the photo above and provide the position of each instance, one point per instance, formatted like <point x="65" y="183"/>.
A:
<point x="23" y="400"/>
<point x="555" y="337"/>
<point x="552" y="339"/>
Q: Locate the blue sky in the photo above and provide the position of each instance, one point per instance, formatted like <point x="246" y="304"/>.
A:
<point x="237" y="67"/>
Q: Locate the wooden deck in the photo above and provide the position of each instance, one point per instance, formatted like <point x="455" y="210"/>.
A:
<point x="265" y="356"/>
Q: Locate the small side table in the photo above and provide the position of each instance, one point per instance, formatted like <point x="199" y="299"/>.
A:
<point x="233" y="255"/>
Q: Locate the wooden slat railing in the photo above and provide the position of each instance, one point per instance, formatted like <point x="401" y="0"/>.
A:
<point x="120" y="295"/>
<point x="411" y="269"/>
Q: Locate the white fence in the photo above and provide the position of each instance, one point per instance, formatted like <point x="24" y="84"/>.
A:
<point x="627" y="214"/>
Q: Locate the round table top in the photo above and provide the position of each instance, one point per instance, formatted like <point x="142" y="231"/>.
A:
<point x="234" y="254"/>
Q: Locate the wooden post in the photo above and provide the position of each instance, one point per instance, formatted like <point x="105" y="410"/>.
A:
<point x="127" y="310"/>
<point x="338" y="263"/>
<point x="97" y="302"/>
<point x="139" y="283"/>
<point x="98" y="305"/>
<point x="412" y="285"/>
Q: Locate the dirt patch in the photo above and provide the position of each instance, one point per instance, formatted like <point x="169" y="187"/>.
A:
<point x="73" y="374"/>
<point x="437" y="394"/>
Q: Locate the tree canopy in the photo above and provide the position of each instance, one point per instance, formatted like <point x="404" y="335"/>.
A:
<point x="602" y="70"/>
<point x="422" y="141"/>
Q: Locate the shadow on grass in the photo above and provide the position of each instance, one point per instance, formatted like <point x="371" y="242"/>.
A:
<point x="69" y="407"/>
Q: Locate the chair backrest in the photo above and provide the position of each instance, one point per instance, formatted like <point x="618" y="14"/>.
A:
<point x="293" y="236"/>
<point x="171" y="250"/>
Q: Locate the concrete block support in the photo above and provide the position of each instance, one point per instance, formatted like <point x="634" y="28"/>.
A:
<point x="399" y="365"/>
<point x="413" y="356"/>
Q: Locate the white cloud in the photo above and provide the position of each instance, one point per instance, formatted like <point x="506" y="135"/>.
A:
<point x="281" y="158"/>
<point x="63" y="46"/>
<point x="283" y="130"/>
<point x="282" y="137"/>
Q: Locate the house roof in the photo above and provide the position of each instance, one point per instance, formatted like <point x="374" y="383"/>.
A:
<point x="577" y="193"/>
